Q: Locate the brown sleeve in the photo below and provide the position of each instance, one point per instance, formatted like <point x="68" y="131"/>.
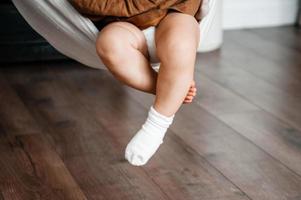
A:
<point x="120" y="8"/>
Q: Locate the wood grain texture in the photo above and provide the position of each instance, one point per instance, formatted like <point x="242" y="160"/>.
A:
<point x="94" y="159"/>
<point x="254" y="89"/>
<point x="112" y="121"/>
<point x="276" y="137"/>
<point x="22" y="122"/>
<point x="64" y="128"/>
<point x="237" y="157"/>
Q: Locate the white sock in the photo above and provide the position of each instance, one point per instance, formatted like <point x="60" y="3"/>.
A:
<point x="148" y="139"/>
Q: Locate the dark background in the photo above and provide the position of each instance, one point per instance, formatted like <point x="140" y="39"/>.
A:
<point x="18" y="41"/>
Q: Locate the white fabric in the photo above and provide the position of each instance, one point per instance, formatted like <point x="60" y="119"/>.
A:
<point x="74" y="35"/>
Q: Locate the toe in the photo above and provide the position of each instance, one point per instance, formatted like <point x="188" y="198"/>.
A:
<point x="193" y="83"/>
<point x="191" y="94"/>
<point x="133" y="157"/>
<point x="187" y="101"/>
<point x="128" y="154"/>
<point x="137" y="160"/>
<point x="193" y="89"/>
<point x="188" y="98"/>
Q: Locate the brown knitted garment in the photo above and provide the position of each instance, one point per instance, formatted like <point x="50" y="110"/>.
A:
<point x="142" y="13"/>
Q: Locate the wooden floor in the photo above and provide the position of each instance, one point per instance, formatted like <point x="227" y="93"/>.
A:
<point x="64" y="127"/>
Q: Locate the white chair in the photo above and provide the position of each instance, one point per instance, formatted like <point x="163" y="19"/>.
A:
<point x="74" y="35"/>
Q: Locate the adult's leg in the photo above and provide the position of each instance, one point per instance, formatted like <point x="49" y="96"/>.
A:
<point x="177" y="38"/>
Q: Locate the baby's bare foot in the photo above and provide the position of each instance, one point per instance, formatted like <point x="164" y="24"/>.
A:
<point x="191" y="93"/>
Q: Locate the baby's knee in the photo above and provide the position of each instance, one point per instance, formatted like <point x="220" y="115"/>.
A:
<point x="105" y="44"/>
<point x="115" y="40"/>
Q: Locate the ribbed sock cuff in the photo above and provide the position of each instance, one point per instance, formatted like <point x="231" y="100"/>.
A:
<point x="152" y="109"/>
<point x="159" y="119"/>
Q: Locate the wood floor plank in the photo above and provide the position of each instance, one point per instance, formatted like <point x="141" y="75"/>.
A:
<point x="274" y="136"/>
<point x="269" y="49"/>
<point x="218" y="99"/>
<point x="254" y="171"/>
<point x="288" y="36"/>
<point x="93" y="158"/>
<point x="284" y="75"/>
<point x="277" y="138"/>
<point x="251" y="169"/>
<point x="285" y="72"/>
<point x="14" y="116"/>
<point x="255" y="90"/>
<point x="281" y="138"/>
<point x="185" y="176"/>
<point x="227" y="144"/>
<point x="31" y="169"/>
<point x="63" y="129"/>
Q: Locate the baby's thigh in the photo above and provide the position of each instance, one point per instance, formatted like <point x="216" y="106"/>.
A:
<point x="121" y="35"/>
<point x="177" y="24"/>
<point x="177" y="31"/>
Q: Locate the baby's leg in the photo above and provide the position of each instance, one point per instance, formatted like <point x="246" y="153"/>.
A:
<point x="177" y="38"/>
<point x="123" y="49"/>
